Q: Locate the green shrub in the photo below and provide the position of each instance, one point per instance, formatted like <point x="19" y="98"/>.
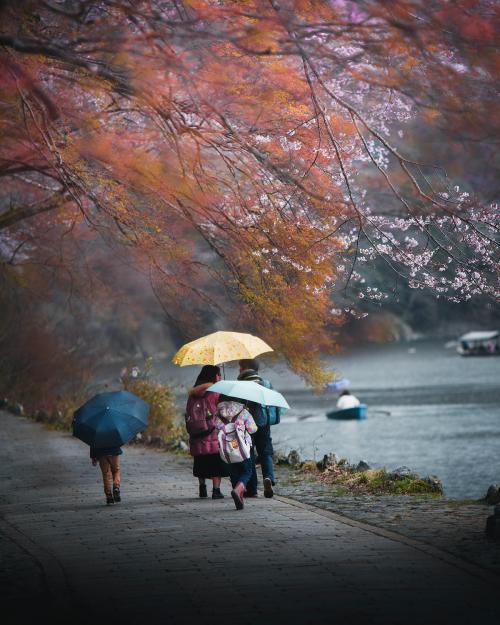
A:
<point x="163" y="418"/>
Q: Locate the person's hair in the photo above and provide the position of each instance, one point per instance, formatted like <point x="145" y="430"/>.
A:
<point x="208" y="373"/>
<point x="248" y="363"/>
<point x="346" y="392"/>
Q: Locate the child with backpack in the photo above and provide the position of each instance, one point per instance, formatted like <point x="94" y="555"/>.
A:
<point x="203" y="442"/>
<point x="235" y="426"/>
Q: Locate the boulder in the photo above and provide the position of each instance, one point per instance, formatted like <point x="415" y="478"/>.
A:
<point x="329" y="460"/>
<point x="42" y="416"/>
<point x="176" y="444"/>
<point x="401" y="472"/>
<point x="362" y="466"/>
<point x="16" y="409"/>
<point x="435" y="484"/>
<point x="493" y="495"/>
<point x="280" y="458"/>
<point x="293" y="458"/>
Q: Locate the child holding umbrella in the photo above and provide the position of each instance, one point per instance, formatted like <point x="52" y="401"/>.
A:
<point x="106" y="422"/>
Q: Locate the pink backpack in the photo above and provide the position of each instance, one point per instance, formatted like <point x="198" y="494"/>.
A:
<point x="198" y="417"/>
<point x="234" y="441"/>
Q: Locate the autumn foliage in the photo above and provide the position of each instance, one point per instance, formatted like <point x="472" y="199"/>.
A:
<point x="217" y="146"/>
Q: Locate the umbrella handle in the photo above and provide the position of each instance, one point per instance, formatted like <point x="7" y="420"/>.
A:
<point x="223" y="371"/>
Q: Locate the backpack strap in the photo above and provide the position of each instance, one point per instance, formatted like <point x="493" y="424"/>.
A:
<point x="237" y="415"/>
<point x="233" y="419"/>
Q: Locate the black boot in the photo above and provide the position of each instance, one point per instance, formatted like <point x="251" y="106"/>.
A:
<point x="216" y="494"/>
<point x="110" y="499"/>
<point x="268" y="487"/>
<point x="203" y="491"/>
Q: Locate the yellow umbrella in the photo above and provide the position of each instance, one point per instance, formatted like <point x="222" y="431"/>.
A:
<point x="219" y="347"/>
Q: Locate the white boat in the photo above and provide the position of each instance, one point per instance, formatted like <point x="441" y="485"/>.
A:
<point x="486" y="343"/>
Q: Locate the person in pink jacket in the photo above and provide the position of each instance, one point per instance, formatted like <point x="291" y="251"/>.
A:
<point x="207" y="463"/>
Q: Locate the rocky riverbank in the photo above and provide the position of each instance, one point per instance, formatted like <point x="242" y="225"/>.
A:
<point x="345" y="478"/>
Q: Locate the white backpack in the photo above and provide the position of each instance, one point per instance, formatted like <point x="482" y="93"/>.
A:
<point x="234" y="442"/>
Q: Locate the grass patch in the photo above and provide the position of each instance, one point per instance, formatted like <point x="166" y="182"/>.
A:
<point x="342" y="478"/>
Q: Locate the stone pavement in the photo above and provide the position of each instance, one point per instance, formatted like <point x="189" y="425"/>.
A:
<point x="456" y="527"/>
<point x="165" y="556"/>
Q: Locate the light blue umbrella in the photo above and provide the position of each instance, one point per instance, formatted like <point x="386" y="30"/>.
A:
<point x="251" y="391"/>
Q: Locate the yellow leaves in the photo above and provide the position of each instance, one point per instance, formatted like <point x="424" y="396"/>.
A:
<point x="431" y="115"/>
<point x="261" y="39"/>
<point x="409" y="64"/>
<point x="283" y="287"/>
<point x="92" y="121"/>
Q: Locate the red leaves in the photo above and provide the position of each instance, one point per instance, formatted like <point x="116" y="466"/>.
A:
<point x="213" y="131"/>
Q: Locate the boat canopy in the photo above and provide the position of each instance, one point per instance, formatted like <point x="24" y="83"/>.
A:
<point x="472" y="337"/>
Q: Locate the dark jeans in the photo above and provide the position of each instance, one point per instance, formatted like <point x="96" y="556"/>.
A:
<point x="263" y="446"/>
<point x="241" y="471"/>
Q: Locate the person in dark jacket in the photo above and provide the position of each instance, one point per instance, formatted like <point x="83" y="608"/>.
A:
<point x="262" y="441"/>
<point x="109" y="462"/>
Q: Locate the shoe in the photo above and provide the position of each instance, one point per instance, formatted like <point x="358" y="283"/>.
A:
<point x="237" y="495"/>
<point x="216" y="494"/>
<point x="268" y="488"/>
<point x="250" y="495"/>
<point x="116" y="494"/>
<point x="203" y="491"/>
<point x="110" y="499"/>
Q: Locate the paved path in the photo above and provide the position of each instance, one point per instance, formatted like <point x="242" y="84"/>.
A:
<point x="164" y="556"/>
<point x="456" y="527"/>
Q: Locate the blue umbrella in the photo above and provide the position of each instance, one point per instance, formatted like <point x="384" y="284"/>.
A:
<point x="338" y="385"/>
<point x="250" y="391"/>
<point x="110" y="419"/>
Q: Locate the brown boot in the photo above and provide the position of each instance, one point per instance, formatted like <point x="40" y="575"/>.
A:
<point x="237" y="495"/>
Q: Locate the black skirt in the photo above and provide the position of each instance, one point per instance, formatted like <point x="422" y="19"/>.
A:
<point x="209" y="465"/>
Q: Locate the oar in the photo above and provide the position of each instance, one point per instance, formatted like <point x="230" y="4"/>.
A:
<point x="306" y="416"/>
<point x="386" y="412"/>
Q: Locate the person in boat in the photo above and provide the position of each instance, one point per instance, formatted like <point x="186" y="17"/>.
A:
<point x="347" y="400"/>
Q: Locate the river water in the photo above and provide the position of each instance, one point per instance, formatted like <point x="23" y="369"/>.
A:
<point x="428" y="409"/>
